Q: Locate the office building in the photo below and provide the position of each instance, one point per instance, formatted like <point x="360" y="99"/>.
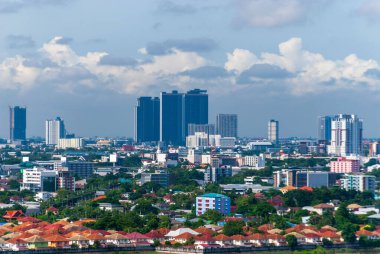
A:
<point x="345" y="165"/>
<point x="346" y="136"/>
<point x="209" y="129"/>
<point x="273" y="130"/>
<point x="17" y="123"/>
<point x="172" y="120"/>
<point x="213" y="201"/>
<point x="54" y="130"/>
<point x="196" y="108"/>
<point x="227" y="125"/>
<point x="324" y="129"/>
<point x="358" y="182"/>
<point x="160" y="177"/>
<point x="147" y="120"/>
<point x="65" y="143"/>
<point x="254" y="161"/>
<point x="374" y="149"/>
<point x="81" y="169"/>
<point x="301" y="177"/>
<point x="199" y="139"/>
<point x="214" y="174"/>
<point x="39" y="179"/>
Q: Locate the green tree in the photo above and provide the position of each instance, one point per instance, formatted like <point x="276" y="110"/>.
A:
<point x="212" y="215"/>
<point x="292" y="241"/>
<point x="233" y="228"/>
<point x="348" y="232"/>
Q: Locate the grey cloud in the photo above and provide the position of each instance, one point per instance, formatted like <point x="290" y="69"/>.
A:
<point x="168" y="6"/>
<point x="37" y="62"/>
<point x="263" y="71"/>
<point x="117" y="61"/>
<point x="207" y="72"/>
<point x="189" y="45"/>
<point x="11" y="6"/>
<point x="20" y="41"/>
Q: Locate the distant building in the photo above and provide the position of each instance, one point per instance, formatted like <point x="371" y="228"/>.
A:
<point x="255" y="161"/>
<point x="65" y="179"/>
<point x="54" y="130"/>
<point x="17" y="123"/>
<point x="82" y="169"/>
<point x="302" y="177"/>
<point x="199" y="139"/>
<point x="227" y="125"/>
<point x="213" y="174"/>
<point x="213" y="201"/>
<point x="209" y="129"/>
<point x="345" y="165"/>
<point x="346" y="136"/>
<point x="147" y="119"/>
<point x="374" y="149"/>
<point x="160" y="177"/>
<point x="324" y="129"/>
<point x="273" y="131"/>
<point x="196" y="108"/>
<point x="39" y="179"/>
<point x="178" y="110"/>
<point x="358" y="182"/>
<point x="76" y="143"/>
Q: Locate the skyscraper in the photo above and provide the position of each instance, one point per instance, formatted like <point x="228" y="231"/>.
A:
<point x="196" y="108"/>
<point x="178" y="110"/>
<point x="172" y="110"/>
<point x="54" y="130"/>
<point x="209" y="129"/>
<point x="346" y="135"/>
<point x="227" y="125"/>
<point x="147" y="119"/>
<point x="273" y="130"/>
<point x="17" y="123"/>
<point x="324" y="128"/>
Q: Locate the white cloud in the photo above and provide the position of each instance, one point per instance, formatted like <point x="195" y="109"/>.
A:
<point x="370" y="9"/>
<point x="293" y="68"/>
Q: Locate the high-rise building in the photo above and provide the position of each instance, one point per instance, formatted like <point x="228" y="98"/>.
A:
<point x="209" y="129"/>
<point x="54" y="130"/>
<point x="273" y="130"/>
<point x="227" y="125"/>
<point x="172" y="127"/>
<point x="324" y="128"/>
<point x="346" y="136"/>
<point x="147" y="119"/>
<point x="17" y="123"/>
<point x="196" y="108"/>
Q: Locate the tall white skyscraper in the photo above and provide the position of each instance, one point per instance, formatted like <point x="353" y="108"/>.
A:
<point x="273" y="130"/>
<point x="55" y="129"/>
<point x="346" y="135"/>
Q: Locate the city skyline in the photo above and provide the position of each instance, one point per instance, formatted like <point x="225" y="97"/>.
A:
<point x="275" y="65"/>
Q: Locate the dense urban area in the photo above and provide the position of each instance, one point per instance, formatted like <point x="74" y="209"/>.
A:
<point x="179" y="189"/>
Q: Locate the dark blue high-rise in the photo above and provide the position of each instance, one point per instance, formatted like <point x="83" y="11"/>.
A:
<point x="178" y="110"/>
<point x="17" y="123"/>
<point x="147" y="119"/>
<point x="196" y="108"/>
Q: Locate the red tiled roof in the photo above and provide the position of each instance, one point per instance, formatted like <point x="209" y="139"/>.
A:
<point x="222" y="237"/>
<point x="13" y="214"/>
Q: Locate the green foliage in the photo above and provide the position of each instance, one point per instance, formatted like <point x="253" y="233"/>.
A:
<point x="326" y="242"/>
<point x="291" y="240"/>
<point x="132" y="161"/>
<point x="212" y="215"/>
<point x="348" y="232"/>
<point x="144" y="207"/>
<point x="233" y="228"/>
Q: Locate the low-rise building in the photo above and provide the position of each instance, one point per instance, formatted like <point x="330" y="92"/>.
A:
<point x="345" y="165"/>
<point x="358" y="182"/>
<point x="213" y="201"/>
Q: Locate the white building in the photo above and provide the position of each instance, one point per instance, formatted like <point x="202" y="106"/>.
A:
<point x="199" y="139"/>
<point x="273" y="130"/>
<point x="39" y="179"/>
<point x="358" y="182"/>
<point x="54" y="130"/>
<point x="65" y="143"/>
<point x="194" y="156"/>
<point x="227" y="142"/>
<point x="346" y="136"/>
<point x="257" y="162"/>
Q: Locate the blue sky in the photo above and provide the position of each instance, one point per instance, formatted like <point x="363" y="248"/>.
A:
<point x="88" y="60"/>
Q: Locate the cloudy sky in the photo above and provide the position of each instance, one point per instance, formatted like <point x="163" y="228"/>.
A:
<point x="88" y="60"/>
